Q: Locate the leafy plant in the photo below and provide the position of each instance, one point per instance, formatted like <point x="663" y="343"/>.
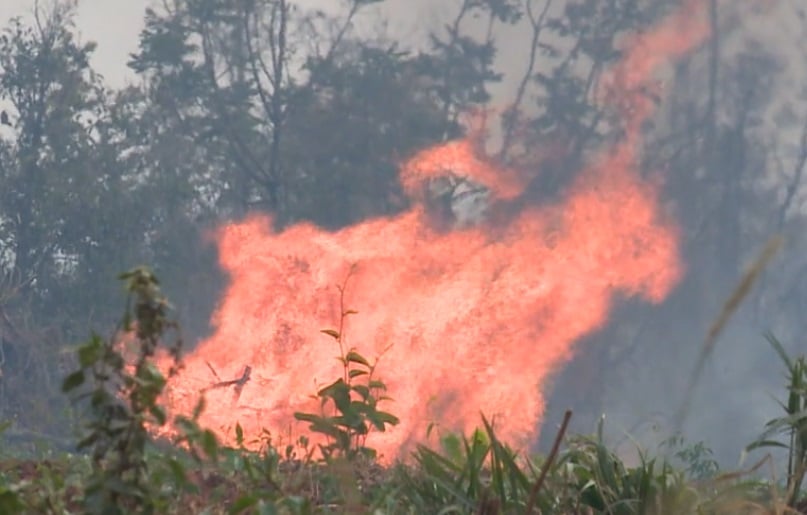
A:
<point x="353" y="400"/>
<point x="604" y="483"/>
<point x="10" y="501"/>
<point x="793" y="424"/>
<point x="477" y="473"/>
<point x="123" y="398"/>
<point x="697" y="457"/>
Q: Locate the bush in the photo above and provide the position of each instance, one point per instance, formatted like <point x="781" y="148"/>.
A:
<point x="123" y="469"/>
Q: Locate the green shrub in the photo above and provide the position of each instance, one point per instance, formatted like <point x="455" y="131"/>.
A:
<point x="349" y="405"/>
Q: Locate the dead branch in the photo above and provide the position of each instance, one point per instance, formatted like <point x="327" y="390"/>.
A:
<point x="793" y="187"/>
<point x="237" y="383"/>
<point x="549" y="460"/>
<point x="537" y="23"/>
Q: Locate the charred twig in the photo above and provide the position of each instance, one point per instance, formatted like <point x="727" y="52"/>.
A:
<point x="212" y="370"/>
<point x="795" y="182"/>
<point x="238" y="383"/>
<point x="549" y="460"/>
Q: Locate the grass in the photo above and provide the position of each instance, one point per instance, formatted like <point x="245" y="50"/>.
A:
<point x="118" y="468"/>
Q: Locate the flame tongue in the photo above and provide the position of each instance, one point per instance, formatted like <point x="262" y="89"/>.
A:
<point x="471" y="322"/>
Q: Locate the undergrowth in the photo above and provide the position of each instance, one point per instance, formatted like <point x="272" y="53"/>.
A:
<point x="349" y="405"/>
<point x="119" y="468"/>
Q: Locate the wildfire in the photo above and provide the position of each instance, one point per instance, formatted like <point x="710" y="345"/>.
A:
<point x="472" y="320"/>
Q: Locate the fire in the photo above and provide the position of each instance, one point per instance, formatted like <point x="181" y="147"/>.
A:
<point x="472" y="319"/>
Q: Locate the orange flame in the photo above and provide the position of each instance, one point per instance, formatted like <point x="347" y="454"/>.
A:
<point x="476" y="319"/>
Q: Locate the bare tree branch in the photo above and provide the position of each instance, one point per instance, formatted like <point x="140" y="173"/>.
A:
<point x="795" y="182"/>
<point x="253" y="166"/>
<point x="511" y="118"/>
<point x="326" y="59"/>
<point x="454" y="34"/>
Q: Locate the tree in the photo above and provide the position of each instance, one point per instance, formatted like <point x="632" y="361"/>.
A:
<point x="60" y="186"/>
<point x="54" y="198"/>
<point x="283" y="141"/>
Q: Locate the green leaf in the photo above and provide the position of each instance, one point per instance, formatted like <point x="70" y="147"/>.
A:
<point x="361" y="407"/>
<point x="452" y="447"/>
<point x="209" y="443"/>
<point x="120" y="486"/>
<point x="331" y="332"/>
<point x="244" y="502"/>
<point x="197" y="410"/>
<point x="377" y="385"/>
<point x="10" y="501"/>
<point x="178" y="471"/>
<point x="239" y="434"/>
<point x="87" y="441"/>
<point x="380" y="419"/>
<point x="352" y="421"/>
<point x="73" y="381"/>
<point x="765" y="443"/>
<point x="356" y="373"/>
<point x="308" y="417"/>
<point x="355" y="357"/>
<point x="362" y="390"/>
<point x="328" y="428"/>
<point x="387" y="418"/>
<point x="158" y="413"/>
<point x="339" y="392"/>
<point x="90" y="352"/>
<point x="780" y="349"/>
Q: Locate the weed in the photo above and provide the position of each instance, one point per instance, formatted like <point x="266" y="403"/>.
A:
<point x="476" y="473"/>
<point x="793" y="424"/>
<point x="353" y="398"/>
<point x="696" y="458"/>
<point x="123" y="399"/>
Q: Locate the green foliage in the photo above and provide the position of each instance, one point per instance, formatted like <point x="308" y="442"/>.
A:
<point x="477" y="473"/>
<point x="123" y="398"/>
<point x="56" y="181"/>
<point x="793" y="424"/>
<point x="349" y="405"/>
<point x="697" y="458"/>
<point x="282" y="141"/>
<point x="604" y="483"/>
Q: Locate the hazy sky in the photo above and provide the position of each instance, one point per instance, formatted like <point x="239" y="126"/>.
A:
<point x="115" y="24"/>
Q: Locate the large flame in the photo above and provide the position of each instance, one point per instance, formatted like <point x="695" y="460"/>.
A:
<point x="474" y="319"/>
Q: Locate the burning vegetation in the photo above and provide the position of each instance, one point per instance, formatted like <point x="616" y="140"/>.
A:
<point x="467" y="320"/>
<point x="396" y="364"/>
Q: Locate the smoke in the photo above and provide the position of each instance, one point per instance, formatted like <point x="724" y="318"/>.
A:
<point x="743" y="377"/>
<point x="470" y="319"/>
<point x="734" y="400"/>
<point x="759" y="117"/>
